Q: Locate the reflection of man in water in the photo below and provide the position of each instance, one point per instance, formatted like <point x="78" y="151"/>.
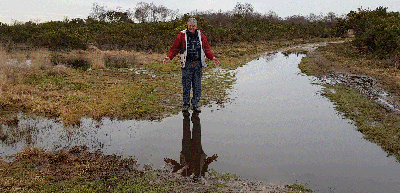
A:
<point x="193" y="159"/>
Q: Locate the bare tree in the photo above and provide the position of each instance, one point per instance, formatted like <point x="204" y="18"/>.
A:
<point x="243" y="9"/>
<point x="164" y="12"/>
<point x="297" y="19"/>
<point x="174" y="14"/>
<point x="313" y="17"/>
<point x="98" y="12"/>
<point x="142" y="11"/>
<point x="272" y="16"/>
<point x="330" y="17"/>
<point x="149" y="12"/>
<point x="117" y="16"/>
<point x="102" y="13"/>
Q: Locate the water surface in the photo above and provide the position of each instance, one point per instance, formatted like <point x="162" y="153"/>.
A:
<point x="277" y="128"/>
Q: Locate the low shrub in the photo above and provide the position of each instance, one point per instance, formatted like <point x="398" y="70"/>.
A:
<point x="76" y="61"/>
<point x="377" y="32"/>
<point x="157" y="36"/>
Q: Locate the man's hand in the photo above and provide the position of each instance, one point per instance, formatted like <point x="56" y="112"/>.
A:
<point x="216" y="61"/>
<point x="166" y="60"/>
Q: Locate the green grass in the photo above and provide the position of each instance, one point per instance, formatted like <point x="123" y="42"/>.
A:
<point x="299" y="187"/>
<point x="224" y="176"/>
<point x="47" y="82"/>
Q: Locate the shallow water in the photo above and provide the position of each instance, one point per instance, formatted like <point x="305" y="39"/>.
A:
<point x="277" y="128"/>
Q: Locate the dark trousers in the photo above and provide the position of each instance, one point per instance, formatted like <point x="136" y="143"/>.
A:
<point x="192" y="154"/>
<point x="191" y="79"/>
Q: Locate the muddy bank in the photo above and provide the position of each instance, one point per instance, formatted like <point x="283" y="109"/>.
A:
<point x="76" y="169"/>
<point x="366" y="85"/>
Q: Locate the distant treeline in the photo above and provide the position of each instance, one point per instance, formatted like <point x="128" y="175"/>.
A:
<point x="153" y="28"/>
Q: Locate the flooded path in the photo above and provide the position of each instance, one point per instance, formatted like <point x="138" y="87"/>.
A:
<point x="277" y="128"/>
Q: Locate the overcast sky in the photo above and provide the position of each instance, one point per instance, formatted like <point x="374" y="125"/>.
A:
<point x="47" y="10"/>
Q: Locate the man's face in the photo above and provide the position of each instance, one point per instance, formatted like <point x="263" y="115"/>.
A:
<point x="192" y="27"/>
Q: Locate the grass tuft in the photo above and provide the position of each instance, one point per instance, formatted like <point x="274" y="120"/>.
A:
<point x="299" y="187"/>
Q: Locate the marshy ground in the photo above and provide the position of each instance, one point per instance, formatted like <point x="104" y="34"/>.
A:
<point x="129" y="85"/>
<point x="80" y="170"/>
<point x="77" y="170"/>
<point x="116" y="84"/>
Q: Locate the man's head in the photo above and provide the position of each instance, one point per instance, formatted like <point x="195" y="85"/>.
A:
<point x="192" y="24"/>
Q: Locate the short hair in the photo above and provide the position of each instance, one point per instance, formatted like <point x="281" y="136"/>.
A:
<point x="192" y="20"/>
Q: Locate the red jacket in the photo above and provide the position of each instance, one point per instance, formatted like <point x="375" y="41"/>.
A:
<point x="180" y="44"/>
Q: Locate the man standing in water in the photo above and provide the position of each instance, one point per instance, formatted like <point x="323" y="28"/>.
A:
<point x="193" y="47"/>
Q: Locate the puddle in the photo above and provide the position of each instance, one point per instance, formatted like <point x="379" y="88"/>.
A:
<point x="16" y="62"/>
<point x="277" y="128"/>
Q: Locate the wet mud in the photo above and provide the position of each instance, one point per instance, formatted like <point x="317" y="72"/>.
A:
<point x="368" y="86"/>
